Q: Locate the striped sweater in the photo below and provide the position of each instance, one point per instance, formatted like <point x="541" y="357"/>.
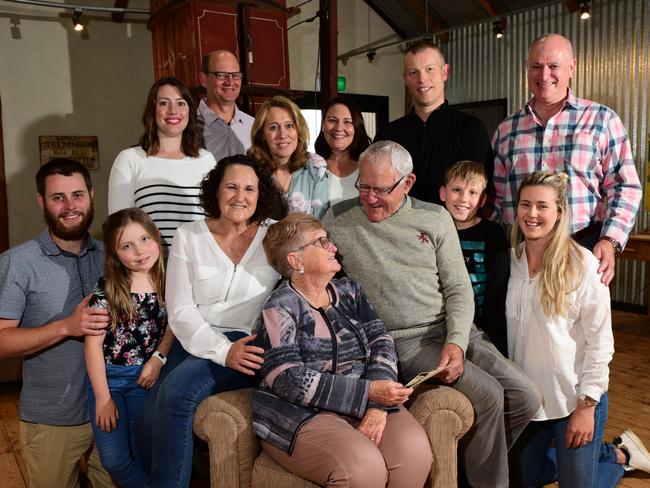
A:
<point x="318" y="360"/>
<point x="166" y="189"/>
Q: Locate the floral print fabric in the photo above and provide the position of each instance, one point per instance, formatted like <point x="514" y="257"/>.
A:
<point x="308" y="192"/>
<point x="132" y="343"/>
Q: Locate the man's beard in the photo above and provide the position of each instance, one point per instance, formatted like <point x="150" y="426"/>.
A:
<point x="67" y="233"/>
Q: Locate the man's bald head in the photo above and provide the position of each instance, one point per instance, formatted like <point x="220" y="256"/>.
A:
<point x="214" y="57"/>
<point x="553" y="38"/>
<point x="549" y="69"/>
<point x="221" y="93"/>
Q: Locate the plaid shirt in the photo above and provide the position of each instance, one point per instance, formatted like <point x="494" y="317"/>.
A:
<point x="588" y="142"/>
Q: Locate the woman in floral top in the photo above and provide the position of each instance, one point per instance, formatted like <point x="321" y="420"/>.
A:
<point x="280" y="138"/>
<point x="125" y="361"/>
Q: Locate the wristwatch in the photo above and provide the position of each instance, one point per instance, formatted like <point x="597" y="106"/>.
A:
<point x="618" y="248"/>
<point x="588" y="401"/>
<point x="160" y="357"/>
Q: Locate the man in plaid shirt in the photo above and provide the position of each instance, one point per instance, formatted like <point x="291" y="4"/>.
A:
<point x="558" y="132"/>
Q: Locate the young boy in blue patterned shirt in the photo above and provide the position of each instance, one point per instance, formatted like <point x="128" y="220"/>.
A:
<point x="485" y="247"/>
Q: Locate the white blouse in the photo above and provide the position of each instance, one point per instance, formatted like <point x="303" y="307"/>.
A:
<point x="207" y="295"/>
<point x="564" y="356"/>
<point x="342" y="188"/>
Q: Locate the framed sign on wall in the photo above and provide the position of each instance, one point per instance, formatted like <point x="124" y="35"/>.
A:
<point x="80" y="148"/>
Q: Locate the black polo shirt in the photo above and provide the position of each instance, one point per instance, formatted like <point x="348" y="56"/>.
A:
<point x="447" y="136"/>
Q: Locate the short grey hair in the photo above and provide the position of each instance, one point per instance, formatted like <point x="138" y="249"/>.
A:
<point x="399" y="157"/>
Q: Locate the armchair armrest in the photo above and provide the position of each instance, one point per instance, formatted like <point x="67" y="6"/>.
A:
<point x="446" y="416"/>
<point x="224" y="421"/>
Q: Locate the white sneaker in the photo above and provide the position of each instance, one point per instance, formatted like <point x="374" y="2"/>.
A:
<point x="639" y="455"/>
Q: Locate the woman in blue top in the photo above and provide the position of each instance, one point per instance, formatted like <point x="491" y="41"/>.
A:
<point x="280" y="137"/>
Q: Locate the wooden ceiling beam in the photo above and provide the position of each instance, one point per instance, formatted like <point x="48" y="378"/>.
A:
<point x="571" y="5"/>
<point x="489" y="7"/>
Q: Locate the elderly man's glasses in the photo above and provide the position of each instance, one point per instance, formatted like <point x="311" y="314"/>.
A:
<point x="224" y="75"/>
<point x="366" y="189"/>
<point x="324" y="242"/>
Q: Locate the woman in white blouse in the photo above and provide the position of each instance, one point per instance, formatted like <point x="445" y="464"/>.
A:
<point x="217" y="280"/>
<point x="342" y="139"/>
<point x="560" y="334"/>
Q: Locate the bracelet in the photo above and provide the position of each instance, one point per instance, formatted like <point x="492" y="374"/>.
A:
<point x="160" y="357"/>
<point x="618" y="248"/>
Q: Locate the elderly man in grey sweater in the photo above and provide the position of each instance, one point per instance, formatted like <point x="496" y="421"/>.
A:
<point x="407" y="257"/>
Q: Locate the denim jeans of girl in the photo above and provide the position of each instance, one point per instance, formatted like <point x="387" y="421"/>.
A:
<point x="590" y="466"/>
<point x="117" y="449"/>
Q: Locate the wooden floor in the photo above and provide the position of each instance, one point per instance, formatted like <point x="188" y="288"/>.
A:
<point x="629" y="402"/>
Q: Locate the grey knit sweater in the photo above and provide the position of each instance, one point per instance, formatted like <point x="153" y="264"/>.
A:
<point x="410" y="266"/>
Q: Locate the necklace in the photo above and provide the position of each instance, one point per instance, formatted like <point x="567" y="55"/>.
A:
<point x="325" y="302"/>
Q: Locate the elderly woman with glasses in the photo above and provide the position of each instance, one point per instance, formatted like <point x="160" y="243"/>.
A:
<point x="329" y="407"/>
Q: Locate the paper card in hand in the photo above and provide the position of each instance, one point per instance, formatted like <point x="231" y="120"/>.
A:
<point x="425" y="375"/>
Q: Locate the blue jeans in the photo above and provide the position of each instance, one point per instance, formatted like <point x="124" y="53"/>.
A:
<point x="591" y="466"/>
<point x="165" y="435"/>
<point x="117" y="449"/>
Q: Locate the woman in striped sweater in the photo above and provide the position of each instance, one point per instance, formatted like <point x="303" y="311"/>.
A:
<point x="162" y="175"/>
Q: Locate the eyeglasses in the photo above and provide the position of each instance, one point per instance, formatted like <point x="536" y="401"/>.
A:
<point x="324" y="242"/>
<point x="224" y="75"/>
<point x="366" y="189"/>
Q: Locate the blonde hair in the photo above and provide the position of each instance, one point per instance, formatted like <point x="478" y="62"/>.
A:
<point x="468" y="172"/>
<point x="118" y="276"/>
<point x="286" y="236"/>
<point x="562" y="266"/>
<point x="260" y="148"/>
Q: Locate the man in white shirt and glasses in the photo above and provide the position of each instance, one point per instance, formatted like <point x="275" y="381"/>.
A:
<point x="226" y="129"/>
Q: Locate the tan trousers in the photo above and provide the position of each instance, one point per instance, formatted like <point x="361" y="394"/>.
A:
<point x="52" y="454"/>
<point x="330" y="452"/>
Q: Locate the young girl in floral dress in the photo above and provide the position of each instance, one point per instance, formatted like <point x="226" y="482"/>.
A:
<point x="126" y="360"/>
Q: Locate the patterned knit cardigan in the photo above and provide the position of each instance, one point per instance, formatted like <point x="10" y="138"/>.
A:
<point x="318" y="359"/>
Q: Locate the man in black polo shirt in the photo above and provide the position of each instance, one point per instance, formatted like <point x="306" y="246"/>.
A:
<point x="434" y="134"/>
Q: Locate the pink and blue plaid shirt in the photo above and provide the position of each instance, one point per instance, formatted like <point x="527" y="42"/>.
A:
<point x="587" y="141"/>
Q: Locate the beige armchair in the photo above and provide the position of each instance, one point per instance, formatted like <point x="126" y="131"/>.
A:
<point x="236" y="459"/>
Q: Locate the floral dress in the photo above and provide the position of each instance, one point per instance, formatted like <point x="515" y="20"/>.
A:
<point x="308" y="192"/>
<point x="133" y="342"/>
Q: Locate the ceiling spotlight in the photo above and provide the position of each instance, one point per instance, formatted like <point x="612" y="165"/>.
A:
<point x="76" y="20"/>
<point x="497" y="28"/>
<point x="584" y="11"/>
<point x="371" y="55"/>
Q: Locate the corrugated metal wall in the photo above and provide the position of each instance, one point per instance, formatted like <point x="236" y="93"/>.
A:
<point x="613" y="53"/>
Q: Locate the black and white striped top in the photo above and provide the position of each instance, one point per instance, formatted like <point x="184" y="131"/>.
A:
<point x="166" y="189"/>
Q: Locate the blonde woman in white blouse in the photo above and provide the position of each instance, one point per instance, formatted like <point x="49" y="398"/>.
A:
<point x="560" y="334"/>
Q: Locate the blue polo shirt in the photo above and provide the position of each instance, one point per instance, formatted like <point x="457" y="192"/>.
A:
<point x="41" y="283"/>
